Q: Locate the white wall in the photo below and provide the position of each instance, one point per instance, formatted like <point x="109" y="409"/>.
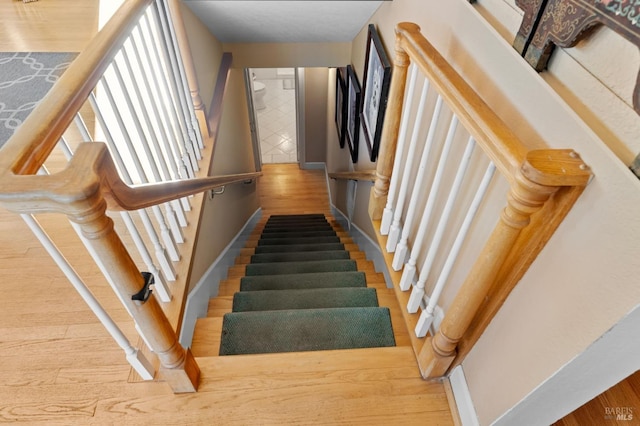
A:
<point x="585" y="280"/>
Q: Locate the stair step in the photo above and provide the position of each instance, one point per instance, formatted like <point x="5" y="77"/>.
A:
<point x="293" y="229"/>
<point x="301" y="234"/>
<point x="303" y="281"/>
<point x="296" y="222"/>
<point x="294" y="240"/>
<point x="284" y="268"/>
<point x="299" y="256"/>
<point x="305" y="330"/>
<point x="273" y="300"/>
<point x="297" y="216"/>
<point x="298" y="248"/>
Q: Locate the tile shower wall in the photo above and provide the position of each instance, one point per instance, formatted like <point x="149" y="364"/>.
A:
<point x="277" y="122"/>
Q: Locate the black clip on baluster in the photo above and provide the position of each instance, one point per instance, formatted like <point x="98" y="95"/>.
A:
<point x="143" y="295"/>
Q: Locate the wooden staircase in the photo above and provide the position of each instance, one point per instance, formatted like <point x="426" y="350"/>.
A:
<point x="206" y="338"/>
<point x="379" y="385"/>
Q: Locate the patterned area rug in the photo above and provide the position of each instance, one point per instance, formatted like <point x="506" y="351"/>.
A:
<point x="25" y="77"/>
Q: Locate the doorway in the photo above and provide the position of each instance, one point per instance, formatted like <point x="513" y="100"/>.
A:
<point x="274" y="102"/>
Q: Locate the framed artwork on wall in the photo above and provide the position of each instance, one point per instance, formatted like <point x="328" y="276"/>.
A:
<point x="341" y="111"/>
<point x="375" y="88"/>
<point x="353" y="112"/>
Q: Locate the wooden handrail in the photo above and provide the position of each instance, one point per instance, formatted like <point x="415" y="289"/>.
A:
<point x="365" y="175"/>
<point x="31" y="144"/>
<point x="503" y="147"/>
<point x="544" y="184"/>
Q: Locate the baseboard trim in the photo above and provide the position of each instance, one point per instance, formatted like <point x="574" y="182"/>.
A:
<point x="462" y="396"/>
<point x="198" y="299"/>
<point x="312" y="166"/>
<point x="365" y="243"/>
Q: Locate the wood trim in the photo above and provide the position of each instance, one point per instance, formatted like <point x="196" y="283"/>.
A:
<point x="365" y="175"/>
<point x="492" y="134"/>
<point x="544" y="185"/>
<point x="527" y="198"/>
<point x="391" y="128"/>
<point x="32" y="143"/>
<point x="217" y="102"/>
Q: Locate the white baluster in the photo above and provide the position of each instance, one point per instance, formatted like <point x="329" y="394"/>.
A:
<point x="161" y="256"/>
<point x="172" y="136"/>
<point x="387" y="213"/>
<point x="394" y="231"/>
<point x="176" y="232"/>
<point x="166" y="16"/>
<point x="165" y="43"/>
<point x="156" y="65"/>
<point x="426" y="317"/>
<point x="171" y="156"/>
<point x="137" y="360"/>
<point x="402" y="247"/>
<point x="418" y="290"/>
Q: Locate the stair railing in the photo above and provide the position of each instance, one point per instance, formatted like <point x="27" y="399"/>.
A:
<point x="133" y="77"/>
<point x="432" y="185"/>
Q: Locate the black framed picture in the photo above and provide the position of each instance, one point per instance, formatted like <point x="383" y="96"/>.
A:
<point x="353" y="112"/>
<point x="341" y="111"/>
<point x="375" y="88"/>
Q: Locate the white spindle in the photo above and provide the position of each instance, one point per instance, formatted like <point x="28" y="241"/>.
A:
<point x="387" y="214"/>
<point x="170" y="156"/>
<point x="137" y="360"/>
<point x="394" y="231"/>
<point x="426" y="317"/>
<point x="402" y="247"/>
<point x="166" y="267"/>
<point x="161" y="288"/>
<point x="169" y="30"/>
<point x="165" y="43"/>
<point x="176" y="232"/>
<point x="156" y="65"/>
<point x="418" y="290"/>
<point x="140" y="48"/>
<point x="66" y="149"/>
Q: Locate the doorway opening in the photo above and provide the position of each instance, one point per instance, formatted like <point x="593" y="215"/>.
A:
<point x="274" y="102"/>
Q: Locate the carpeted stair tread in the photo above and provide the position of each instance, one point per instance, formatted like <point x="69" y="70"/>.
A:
<point x="298" y="248"/>
<point x="296" y="216"/>
<point x="300" y="256"/>
<point x="295" y="240"/>
<point x="272" y="300"/>
<point x="283" y="268"/>
<point x="294" y="229"/>
<point x="292" y="223"/>
<point x="303" y="281"/>
<point x="305" y="330"/>
<point x="302" y="234"/>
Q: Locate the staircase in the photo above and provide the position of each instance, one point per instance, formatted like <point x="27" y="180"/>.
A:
<point x="299" y="285"/>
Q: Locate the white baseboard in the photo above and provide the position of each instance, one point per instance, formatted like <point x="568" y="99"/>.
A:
<point x="464" y="403"/>
<point x="312" y="166"/>
<point x="198" y="299"/>
<point x="365" y="243"/>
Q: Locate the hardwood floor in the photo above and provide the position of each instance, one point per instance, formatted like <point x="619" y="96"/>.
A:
<point x="58" y="366"/>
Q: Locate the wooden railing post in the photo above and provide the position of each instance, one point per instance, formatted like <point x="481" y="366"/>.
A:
<point x="190" y="71"/>
<point x="541" y="175"/>
<point x="391" y="127"/>
<point x="178" y="366"/>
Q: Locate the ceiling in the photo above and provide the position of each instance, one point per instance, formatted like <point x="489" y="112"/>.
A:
<point x="289" y="21"/>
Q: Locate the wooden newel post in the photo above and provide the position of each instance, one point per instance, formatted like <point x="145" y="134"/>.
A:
<point x="540" y="176"/>
<point x="187" y="59"/>
<point x="389" y="139"/>
<point x="178" y="365"/>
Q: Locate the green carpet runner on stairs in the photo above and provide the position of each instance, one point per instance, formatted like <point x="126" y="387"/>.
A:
<point x="302" y="292"/>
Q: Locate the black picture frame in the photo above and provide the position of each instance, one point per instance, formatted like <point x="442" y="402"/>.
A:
<point x="341" y="111"/>
<point x="353" y="113"/>
<point x="375" y="89"/>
